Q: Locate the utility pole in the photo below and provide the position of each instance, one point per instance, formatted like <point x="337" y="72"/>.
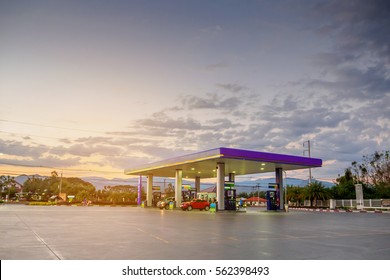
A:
<point x="307" y="150"/>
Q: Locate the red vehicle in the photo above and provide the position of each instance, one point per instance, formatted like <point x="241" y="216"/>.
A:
<point x="196" y="204"/>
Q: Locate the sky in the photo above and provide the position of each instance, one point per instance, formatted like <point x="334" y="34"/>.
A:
<point x="96" y="87"/>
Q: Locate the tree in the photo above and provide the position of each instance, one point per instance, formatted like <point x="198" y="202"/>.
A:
<point x="116" y="197"/>
<point x="381" y="191"/>
<point x="244" y="194"/>
<point x="84" y="194"/>
<point x="43" y="188"/>
<point x="374" y="170"/>
<point x="261" y="194"/>
<point x="6" y="181"/>
<point x="316" y="191"/>
<point x="7" y="186"/>
<point x="295" y="194"/>
<point x="102" y="195"/>
<point x="34" y="187"/>
<point x="169" y="191"/>
<point x="79" y="188"/>
<point x="373" y="173"/>
<point x="345" y="187"/>
<point x="120" y="194"/>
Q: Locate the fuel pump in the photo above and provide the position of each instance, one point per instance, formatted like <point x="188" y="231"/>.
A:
<point x="273" y="197"/>
<point x="272" y="200"/>
<point x="156" y="198"/>
<point x="188" y="193"/>
<point x="230" y="196"/>
<point x="230" y="199"/>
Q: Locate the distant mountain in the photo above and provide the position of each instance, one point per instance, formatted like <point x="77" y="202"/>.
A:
<point x="249" y="186"/>
<point x="23" y="178"/>
<point x="100" y="182"/>
<point x="287" y="181"/>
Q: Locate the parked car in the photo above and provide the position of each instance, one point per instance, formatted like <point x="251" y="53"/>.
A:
<point x="165" y="202"/>
<point x="195" y="204"/>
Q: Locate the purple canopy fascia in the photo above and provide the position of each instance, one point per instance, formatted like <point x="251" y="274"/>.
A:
<point x="269" y="157"/>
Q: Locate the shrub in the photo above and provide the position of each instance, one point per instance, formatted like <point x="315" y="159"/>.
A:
<point x="40" y="203"/>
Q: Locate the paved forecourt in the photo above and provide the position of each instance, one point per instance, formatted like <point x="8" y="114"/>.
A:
<point x="113" y="233"/>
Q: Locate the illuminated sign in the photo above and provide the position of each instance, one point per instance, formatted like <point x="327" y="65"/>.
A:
<point x="186" y="187"/>
<point x="273" y="186"/>
<point x="229" y="185"/>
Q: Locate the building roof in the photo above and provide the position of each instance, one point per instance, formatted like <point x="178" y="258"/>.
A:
<point x="255" y="199"/>
<point x="212" y="189"/>
<point x="203" y="164"/>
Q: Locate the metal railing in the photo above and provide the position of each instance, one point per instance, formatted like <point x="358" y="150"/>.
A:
<point x="349" y="203"/>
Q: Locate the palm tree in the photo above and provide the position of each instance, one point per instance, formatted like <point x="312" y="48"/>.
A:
<point x="295" y="194"/>
<point x="316" y="191"/>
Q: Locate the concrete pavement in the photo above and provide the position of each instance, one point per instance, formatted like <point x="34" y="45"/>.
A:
<point x="114" y="233"/>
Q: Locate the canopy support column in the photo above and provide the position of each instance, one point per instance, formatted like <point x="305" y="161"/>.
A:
<point x="197" y="184"/>
<point x="178" y="186"/>
<point x="139" y="197"/>
<point x="149" y="190"/>
<point x="221" y="185"/>
<point x="279" y="181"/>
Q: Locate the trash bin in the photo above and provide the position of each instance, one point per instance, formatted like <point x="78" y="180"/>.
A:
<point x="213" y="207"/>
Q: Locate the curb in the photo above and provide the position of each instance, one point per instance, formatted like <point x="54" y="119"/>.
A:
<point x="340" y="211"/>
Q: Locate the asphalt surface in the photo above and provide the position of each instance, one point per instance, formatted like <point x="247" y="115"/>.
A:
<point x="122" y="233"/>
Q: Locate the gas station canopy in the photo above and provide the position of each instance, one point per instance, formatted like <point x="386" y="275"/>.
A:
<point x="240" y="162"/>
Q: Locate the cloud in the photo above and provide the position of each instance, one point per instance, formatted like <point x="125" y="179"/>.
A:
<point x="161" y="124"/>
<point x="294" y="119"/>
<point x="234" y="88"/>
<point x="342" y="106"/>
<point x="358" y="26"/>
<point x="65" y="140"/>
<point x="352" y="83"/>
<point x="358" y="64"/>
<point x="216" y="67"/>
<point x="192" y="102"/>
<point x="212" y="101"/>
<point x="14" y="152"/>
<point x="54" y="161"/>
<point x="84" y="150"/>
<point x="161" y="120"/>
<point x="17" y="148"/>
